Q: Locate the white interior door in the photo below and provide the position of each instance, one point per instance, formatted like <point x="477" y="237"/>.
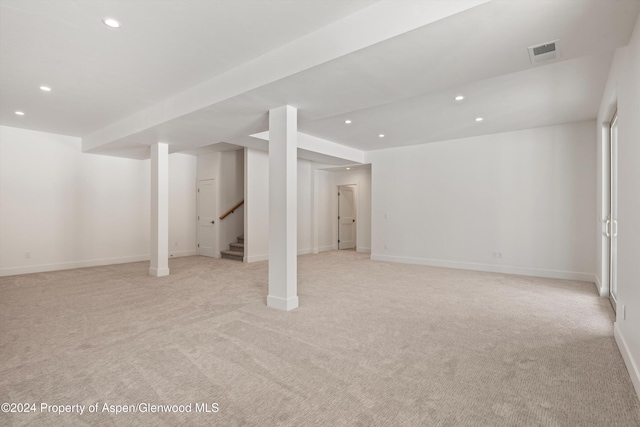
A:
<point x="207" y="221"/>
<point x="612" y="220"/>
<point x="346" y="217"/>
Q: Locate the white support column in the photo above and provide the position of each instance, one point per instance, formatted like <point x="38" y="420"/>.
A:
<point x="159" y="210"/>
<point x="283" y="215"/>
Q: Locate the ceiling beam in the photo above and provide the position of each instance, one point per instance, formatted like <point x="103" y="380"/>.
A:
<point x="313" y="144"/>
<point x="379" y="22"/>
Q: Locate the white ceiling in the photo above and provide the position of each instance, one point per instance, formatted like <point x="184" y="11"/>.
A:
<point x="99" y="75"/>
<point x="402" y="86"/>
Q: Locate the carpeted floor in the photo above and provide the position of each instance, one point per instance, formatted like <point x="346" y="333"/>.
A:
<point x="372" y="344"/>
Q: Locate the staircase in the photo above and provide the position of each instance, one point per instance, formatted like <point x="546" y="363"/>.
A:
<point x="236" y="250"/>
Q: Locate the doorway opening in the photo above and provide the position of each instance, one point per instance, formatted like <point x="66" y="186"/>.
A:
<point x="347" y="215"/>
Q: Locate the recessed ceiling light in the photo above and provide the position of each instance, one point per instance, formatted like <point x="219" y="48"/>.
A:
<point x="459" y="98"/>
<point x="19" y="113"/>
<point x="479" y="119"/>
<point x="381" y="135"/>
<point x="348" y="169"/>
<point x="348" y="122"/>
<point x="45" y="88"/>
<point x="111" y="23"/>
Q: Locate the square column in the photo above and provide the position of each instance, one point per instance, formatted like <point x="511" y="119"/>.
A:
<point x="283" y="208"/>
<point x="159" y="210"/>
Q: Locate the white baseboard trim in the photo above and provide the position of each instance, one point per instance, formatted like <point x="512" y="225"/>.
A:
<point x="282" y="304"/>
<point x="14" y="271"/>
<point x="602" y="291"/>
<point x="536" y="272"/>
<point x="183" y="253"/>
<point x="29" y="269"/>
<point x="326" y="248"/>
<point x="158" y="272"/>
<point x="304" y="251"/>
<point x="256" y="258"/>
<point x="363" y="250"/>
<point x="632" y="366"/>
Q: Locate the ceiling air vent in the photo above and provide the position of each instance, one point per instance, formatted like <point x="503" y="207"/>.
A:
<point x="544" y="52"/>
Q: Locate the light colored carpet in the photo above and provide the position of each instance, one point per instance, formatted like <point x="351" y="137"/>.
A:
<point x="372" y="344"/>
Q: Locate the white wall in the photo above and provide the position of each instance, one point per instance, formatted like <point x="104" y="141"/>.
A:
<point x="182" y="205"/>
<point x="305" y="193"/>
<point x="327" y="209"/>
<point x="527" y="194"/>
<point x="257" y="206"/>
<point x="208" y="165"/>
<point x="256" y="221"/>
<point x="70" y="209"/>
<point x="326" y="212"/>
<point x="623" y="91"/>
<point x="317" y="206"/>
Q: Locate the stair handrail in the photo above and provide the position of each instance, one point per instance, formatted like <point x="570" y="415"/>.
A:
<point x="230" y="211"/>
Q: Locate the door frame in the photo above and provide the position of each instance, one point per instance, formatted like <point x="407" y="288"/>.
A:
<point x="611" y="224"/>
